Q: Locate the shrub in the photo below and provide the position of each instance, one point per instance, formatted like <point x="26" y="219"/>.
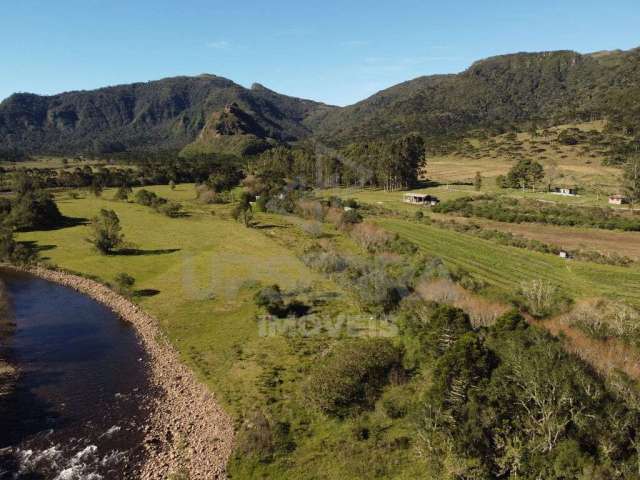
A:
<point x="542" y="298"/>
<point x="124" y="283"/>
<point x="271" y="299"/>
<point x="106" y="231"/>
<point x="145" y="197"/>
<point x="13" y="252"/>
<point x="311" y="209"/>
<point x="325" y="262"/>
<point x="170" y="209"/>
<point x="352" y="376"/>
<point x="350" y="218"/>
<point x="313" y="229"/>
<point x="370" y="236"/>
<point x="379" y="291"/>
<point x="261" y="437"/>
<point x="123" y="193"/>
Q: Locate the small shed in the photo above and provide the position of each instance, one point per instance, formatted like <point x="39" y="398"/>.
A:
<point x="617" y="199"/>
<point x="420" y="199"/>
<point x="567" y="191"/>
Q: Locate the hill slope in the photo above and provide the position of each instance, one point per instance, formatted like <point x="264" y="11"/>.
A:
<point x="167" y="113"/>
<point x="551" y="87"/>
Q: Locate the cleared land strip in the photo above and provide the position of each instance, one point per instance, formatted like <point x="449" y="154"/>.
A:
<point x="506" y="267"/>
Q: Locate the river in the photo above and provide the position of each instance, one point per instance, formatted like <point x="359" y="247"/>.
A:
<point x="80" y="400"/>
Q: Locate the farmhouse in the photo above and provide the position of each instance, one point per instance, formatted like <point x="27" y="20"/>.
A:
<point x="420" y="199"/>
<point x="617" y="199"/>
<point x="568" y="191"/>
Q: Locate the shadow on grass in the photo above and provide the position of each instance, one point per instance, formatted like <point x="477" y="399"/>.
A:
<point x="267" y="226"/>
<point x="36" y="249"/>
<point x="146" y="292"/>
<point x="136" y="252"/>
<point x="66" y="222"/>
<point x="427" y="184"/>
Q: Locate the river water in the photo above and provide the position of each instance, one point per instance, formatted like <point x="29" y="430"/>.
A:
<point x="80" y="399"/>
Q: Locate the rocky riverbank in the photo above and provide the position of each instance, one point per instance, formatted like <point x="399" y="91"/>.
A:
<point x="187" y="432"/>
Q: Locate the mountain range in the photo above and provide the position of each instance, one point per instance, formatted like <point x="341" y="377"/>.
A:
<point x="496" y="93"/>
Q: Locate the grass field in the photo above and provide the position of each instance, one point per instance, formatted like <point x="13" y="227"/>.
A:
<point x="197" y="275"/>
<point x="505" y="267"/>
<point x="196" y="272"/>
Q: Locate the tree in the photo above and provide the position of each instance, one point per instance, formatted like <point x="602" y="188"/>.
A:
<point x="106" y="231"/>
<point x="631" y="179"/>
<point x="96" y="186"/>
<point x="14" y="252"/>
<point x="477" y="181"/>
<point x="243" y="211"/>
<point x="525" y="173"/>
<point x="33" y="210"/>
<point x="123" y="193"/>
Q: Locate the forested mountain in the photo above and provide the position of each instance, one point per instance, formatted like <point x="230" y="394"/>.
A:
<point x="495" y="94"/>
<point x="168" y="113"/>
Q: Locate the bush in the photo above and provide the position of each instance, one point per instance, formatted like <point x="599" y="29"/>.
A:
<point x="352" y="376"/>
<point x="13" y="252"/>
<point x="313" y="229"/>
<point x="311" y="209"/>
<point x="123" y="193"/>
<point x="261" y="437"/>
<point x="271" y="299"/>
<point x="325" y="262"/>
<point x="542" y="298"/>
<point x="379" y="291"/>
<point x="350" y="218"/>
<point x="124" y="283"/>
<point x="170" y="209"/>
<point x="106" y="231"/>
<point x="145" y="197"/>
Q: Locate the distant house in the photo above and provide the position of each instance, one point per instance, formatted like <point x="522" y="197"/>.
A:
<point x="568" y="191"/>
<point x="617" y="199"/>
<point x="420" y="199"/>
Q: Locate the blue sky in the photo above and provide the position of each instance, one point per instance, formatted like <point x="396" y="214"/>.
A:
<point x="338" y="52"/>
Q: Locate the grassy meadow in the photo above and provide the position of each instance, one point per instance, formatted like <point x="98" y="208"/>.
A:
<point x="197" y="275"/>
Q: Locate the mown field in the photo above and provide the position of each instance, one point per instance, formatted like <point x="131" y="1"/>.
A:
<point x="505" y="267"/>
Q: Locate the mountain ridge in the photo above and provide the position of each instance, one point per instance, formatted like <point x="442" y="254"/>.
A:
<point x="495" y="93"/>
